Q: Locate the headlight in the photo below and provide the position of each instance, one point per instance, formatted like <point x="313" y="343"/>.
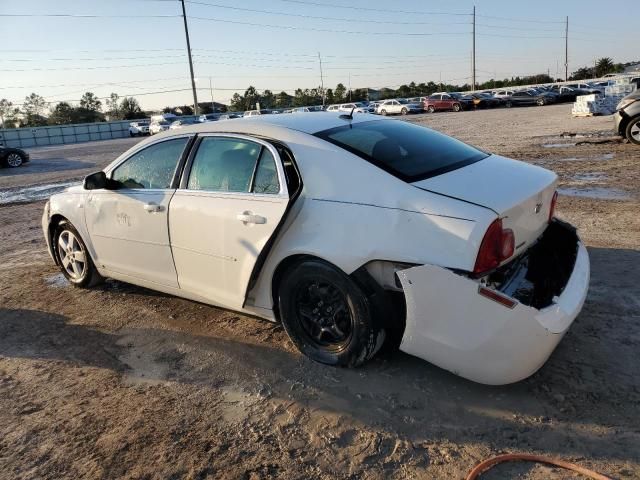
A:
<point x="625" y="102"/>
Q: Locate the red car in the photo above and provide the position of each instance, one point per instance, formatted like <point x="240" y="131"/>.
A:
<point x="442" y="101"/>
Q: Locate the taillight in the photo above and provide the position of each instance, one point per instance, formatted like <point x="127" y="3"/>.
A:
<point x="497" y="245"/>
<point x="552" y="208"/>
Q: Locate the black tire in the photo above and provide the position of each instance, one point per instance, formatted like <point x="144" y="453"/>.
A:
<point x="14" y="160"/>
<point x="456" y="107"/>
<point x="540" y="102"/>
<point x="131" y="134"/>
<point x="327" y="315"/>
<point x="403" y="111"/>
<point x="431" y="109"/>
<point x="89" y="274"/>
<point x="383" y="113"/>
<point x="632" y="132"/>
<point x="508" y="104"/>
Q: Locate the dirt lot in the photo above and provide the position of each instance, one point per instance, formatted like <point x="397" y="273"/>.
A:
<point x="122" y="382"/>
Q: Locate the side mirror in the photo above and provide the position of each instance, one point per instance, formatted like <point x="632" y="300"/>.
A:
<point x="95" y="181"/>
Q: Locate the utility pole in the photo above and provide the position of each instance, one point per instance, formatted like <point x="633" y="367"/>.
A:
<point x="321" y="78"/>
<point x="193" y="80"/>
<point x="213" y="105"/>
<point x="349" y="86"/>
<point x="566" y="50"/>
<point x="473" y="53"/>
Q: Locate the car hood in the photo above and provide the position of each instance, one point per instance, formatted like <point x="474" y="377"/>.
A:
<point x="518" y="192"/>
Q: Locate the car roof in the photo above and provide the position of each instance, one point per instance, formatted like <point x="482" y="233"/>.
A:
<point x="307" y="122"/>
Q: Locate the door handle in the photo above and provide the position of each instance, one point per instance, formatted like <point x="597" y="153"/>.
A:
<point x="153" y="207"/>
<point x="248" y="217"/>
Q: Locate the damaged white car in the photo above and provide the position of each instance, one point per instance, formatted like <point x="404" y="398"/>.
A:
<point x="347" y="229"/>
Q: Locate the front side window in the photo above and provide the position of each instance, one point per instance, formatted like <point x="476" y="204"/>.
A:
<point x="228" y="165"/>
<point x="405" y="150"/>
<point x="152" y="167"/>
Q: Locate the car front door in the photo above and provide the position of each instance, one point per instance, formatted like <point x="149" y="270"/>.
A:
<point x="231" y="199"/>
<point x="127" y="223"/>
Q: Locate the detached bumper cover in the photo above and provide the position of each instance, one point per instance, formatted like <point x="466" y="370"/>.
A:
<point x="450" y="325"/>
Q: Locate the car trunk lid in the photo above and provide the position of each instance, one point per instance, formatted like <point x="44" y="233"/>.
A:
<point x="519" y="193"/>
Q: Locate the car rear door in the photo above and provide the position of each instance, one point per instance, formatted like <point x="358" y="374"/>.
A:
<point x="128" y="225"/>
<point x="231" y="199"/>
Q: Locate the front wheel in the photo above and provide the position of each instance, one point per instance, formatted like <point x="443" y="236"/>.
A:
<point x="508" y="104"/>
<point x="403" y="111"/>
<point x="456" y="107"/>
<point x="431" y="109"/>
<point x="327" y="315"/>
<point x="540" y="102"/>
<point x="73" y="257"/>
<point x="633" y="130"/>
<point x="383" y="112"/>
<point x="14" y="160"/>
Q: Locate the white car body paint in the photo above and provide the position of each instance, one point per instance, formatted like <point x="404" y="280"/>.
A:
<point x="450" y="325"/>
<point x="348" y="213"/>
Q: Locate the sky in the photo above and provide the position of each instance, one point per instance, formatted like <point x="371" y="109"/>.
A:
<point x="138" y="48"/>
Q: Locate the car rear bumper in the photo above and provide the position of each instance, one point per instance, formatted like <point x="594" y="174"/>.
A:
<point x="449" y="323"/>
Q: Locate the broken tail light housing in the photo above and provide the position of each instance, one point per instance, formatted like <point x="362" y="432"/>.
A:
<point x="497" y="245"/>
<point x="552" y="208"/>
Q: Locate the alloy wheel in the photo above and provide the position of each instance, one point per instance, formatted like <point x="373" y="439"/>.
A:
<point x="324" y="314"/>
<point x="72" y="255"/>
<point x="14" y="160"/>
<point x="634" y="131"/>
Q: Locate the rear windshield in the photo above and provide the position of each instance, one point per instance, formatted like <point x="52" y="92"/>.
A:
<point x="403" y="149"/>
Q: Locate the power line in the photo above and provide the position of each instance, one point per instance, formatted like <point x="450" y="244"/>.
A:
<point x="290" y="27"/>
<point x="339" y="19"/>
<point x="82" y="15"/>
<point x="512" y="19"/>
<point x="89" y="68"/>
<point x="368" y="9"/>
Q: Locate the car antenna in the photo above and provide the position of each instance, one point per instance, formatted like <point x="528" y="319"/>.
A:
<point x="350" y="116"/>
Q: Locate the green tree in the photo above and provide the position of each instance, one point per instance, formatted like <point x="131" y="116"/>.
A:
<point x="5" y="110"/>
<point x="113" y="106"/>
<point x="267" y="99"/>
<point x="130" y="109"/>
<point x="603" y="66"/>
<point x="90" y="102"/>
<point x="34" y="106"/>
<point x="283" y="99"/>
<point x="62" y="114"/>
<point x="339" y="93"/>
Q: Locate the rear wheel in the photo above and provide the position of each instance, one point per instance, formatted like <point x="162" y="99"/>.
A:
<point x="73" y="257"/>
<point x="383" y="112"/>
<point x="327" y="315"/>
<point x="456" y="107"/>
<point x="540" y="102"/>
<point x="431" y="109"/>
<point x="508" y="104"/>
<point x="14" y="160"/>
<point x="403" y="111"/>
<point x="633" y="130"/>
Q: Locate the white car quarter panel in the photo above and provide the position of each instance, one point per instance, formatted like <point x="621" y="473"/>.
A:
<point x="450" y="325"/>
<point x="130" y="237"/>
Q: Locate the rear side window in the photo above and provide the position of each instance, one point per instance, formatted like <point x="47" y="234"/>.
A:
<point x="405" y="150"/>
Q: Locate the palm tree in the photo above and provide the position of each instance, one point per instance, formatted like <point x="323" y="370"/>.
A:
<point x="603" y="66"/>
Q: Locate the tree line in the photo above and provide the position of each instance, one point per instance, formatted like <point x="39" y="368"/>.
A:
<point x="89" y="110"/>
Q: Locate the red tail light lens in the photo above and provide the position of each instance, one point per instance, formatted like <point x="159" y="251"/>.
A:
<point x="552" y="208"/>
<point x="497" y="245"/>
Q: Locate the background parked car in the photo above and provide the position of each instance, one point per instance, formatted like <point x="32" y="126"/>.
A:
<point x="568" y="94"/>
<point x="485" y="100"/>
<point x="527" y="97"/>
<point x="588" y="87"/>
<point x="209" y="117"/>
<point x="229" y="116"/>
<point x="360" y="107"/>
<point x="627" y="117"/>
<point x="182" y="123"/>
<point x="504" y="94"/>
<point x="159" y="126"/>
<point x="137" y="129"/>
<point x="12" y="157"/>
<point x="442" y="101"/>
<point x="398" y="107"/>
<point x="315" y="108"/>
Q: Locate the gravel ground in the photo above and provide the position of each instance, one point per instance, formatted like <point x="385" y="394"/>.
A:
<point x="123" y="382"/>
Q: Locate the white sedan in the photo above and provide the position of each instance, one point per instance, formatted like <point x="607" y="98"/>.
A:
<point x="347" y="229"/>
<point x="398" y="107"/>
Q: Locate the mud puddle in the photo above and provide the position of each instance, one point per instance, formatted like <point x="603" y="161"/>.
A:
<point x="33" y="193"/>
<point x="600" y="193"/>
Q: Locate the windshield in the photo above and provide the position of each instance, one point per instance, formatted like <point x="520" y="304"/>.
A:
<point x="404" y="102"/>
<point x="405" y="150"/>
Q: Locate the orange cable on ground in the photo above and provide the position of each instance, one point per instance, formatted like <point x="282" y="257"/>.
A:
<point x="510" y="457"/>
